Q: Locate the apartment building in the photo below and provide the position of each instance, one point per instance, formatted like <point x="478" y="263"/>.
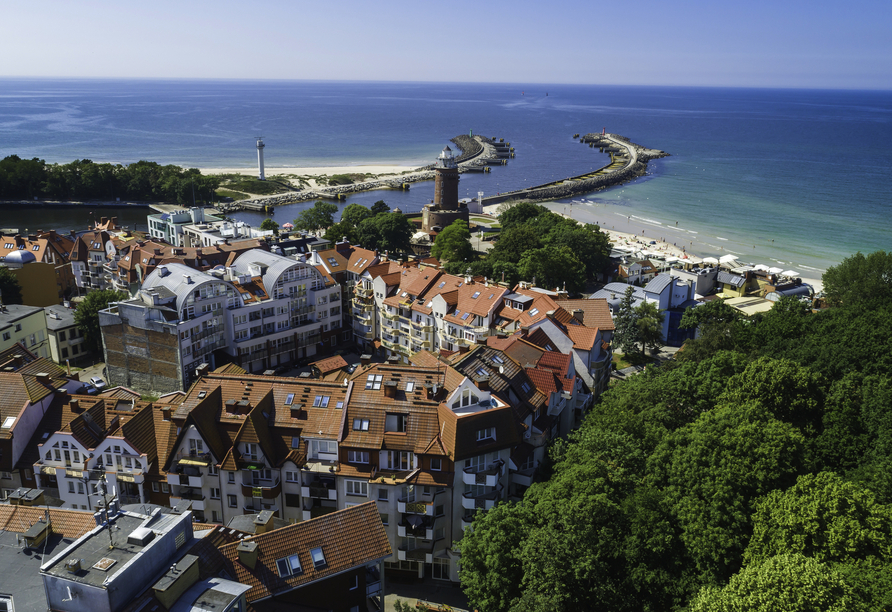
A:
<point x="51" y="251"/>
<point x="66" y="341"/>
<point x="25" y="325"/>
<point x="88" y="258"/>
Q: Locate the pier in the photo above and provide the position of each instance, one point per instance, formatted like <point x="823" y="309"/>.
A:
<point x="628" y="161"/>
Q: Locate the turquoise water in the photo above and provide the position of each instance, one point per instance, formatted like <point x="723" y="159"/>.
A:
<point x="809" y="170"/>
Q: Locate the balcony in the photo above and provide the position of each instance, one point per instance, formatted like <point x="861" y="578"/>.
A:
<point x="193" y="495"/>
<point x="312" y="509"/>
<point x="372" y="581"/>
<point x="390" y="316"/>
<point x="362" y="291"/>
<point x="184" y="480"/>
<point x="488" y="477"/>
<point x="485" y="501"/>
<point x="415" y="507"/>
<point x="416" y="526"/>
<point x="320" y="491"/>
<point x="523" y="477"/>
<point x="422" y="327"/>
<point x="265" y="489"/>
<point x="466" y="520"/>
<point x="415" y="552"/>
<point x="255" y="505"/>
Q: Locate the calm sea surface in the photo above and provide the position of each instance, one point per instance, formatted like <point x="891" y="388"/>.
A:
<point x="796" y="176"/>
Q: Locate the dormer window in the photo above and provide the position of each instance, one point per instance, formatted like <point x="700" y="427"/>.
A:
<point x="525" y="386"/>
<point x="488" y="433"/>
<point x="360" y="424"/>
<point x="396" y="423"/>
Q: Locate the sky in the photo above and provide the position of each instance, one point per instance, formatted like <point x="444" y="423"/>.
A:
<point x="777" y="43"/>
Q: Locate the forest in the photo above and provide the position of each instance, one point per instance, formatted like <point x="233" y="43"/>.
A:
<point x="83" y="179"/>
<point x="753" y="472"/>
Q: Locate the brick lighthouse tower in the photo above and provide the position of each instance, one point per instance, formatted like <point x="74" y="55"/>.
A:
<point x="445" y="209"/>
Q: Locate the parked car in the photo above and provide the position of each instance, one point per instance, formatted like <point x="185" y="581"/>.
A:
<point x="98" y="383"/>
<point x="89" y="389"/>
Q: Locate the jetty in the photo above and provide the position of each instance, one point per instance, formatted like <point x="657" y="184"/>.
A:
<point x="628" y="161"/>
<point x="477" y="155"/>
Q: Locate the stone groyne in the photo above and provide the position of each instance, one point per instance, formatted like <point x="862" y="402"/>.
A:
<point x="628" y="161"/>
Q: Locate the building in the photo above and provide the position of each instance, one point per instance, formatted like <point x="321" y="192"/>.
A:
<point x="52" y="252"/>
<point x="88" y="258"/>
<point x="66" y="341"/>
<point x="168" y="227"/>
<point x="25" y="325"/>
<point x="37" y="280"/>
<point x="445" y="208"/>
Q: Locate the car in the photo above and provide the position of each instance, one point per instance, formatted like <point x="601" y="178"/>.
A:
<point x="89" y="389"/>
<point x="97" y="382"/>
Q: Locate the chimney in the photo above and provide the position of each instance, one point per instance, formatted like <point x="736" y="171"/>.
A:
<point x="550" y="314"/>
<point x="483" y="383"/>
<point x="296" y="411"/>
<point x="18" y="360"/>
<point x="365" y="360"/>
<point x="244" y="406"/>
<point x="263" y="522"/>
<point x="75" y="405"/>
<point x="231" y="408"/>
<point x="247" y="553"/>
<point x="203" y="369"/>
<point x="390" y="388"/>
<point x="43" y="378"/>
<point x="102" y="220"/>
<point x="462" y="349"/>
<point x="578" y="314"/>
<point x="165" y="413"/>
<point x="393" y="360"/>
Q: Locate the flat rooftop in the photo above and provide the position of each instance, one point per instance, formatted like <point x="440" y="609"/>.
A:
<point x="98" y="561"/>
<point x="20" y="576"/>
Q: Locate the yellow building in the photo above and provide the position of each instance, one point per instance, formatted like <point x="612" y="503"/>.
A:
<point x="25" y="324"/>
<point x="37" y="279"/>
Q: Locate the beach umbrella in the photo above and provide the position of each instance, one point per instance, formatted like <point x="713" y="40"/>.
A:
<point x="710" y="260"/>
<point x="287" y="226"/>
<point x="727" y="259"/>
<point x="774" y="270"/>
<point x="790" y="273"/>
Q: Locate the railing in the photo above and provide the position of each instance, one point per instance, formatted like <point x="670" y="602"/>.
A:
<point x="266" y="491"/>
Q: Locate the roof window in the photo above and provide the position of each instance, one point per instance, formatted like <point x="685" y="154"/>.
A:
<point x="476" y="295"/>
<point x="374" y="381"/>
<point x="289" y="399"/>
<point x="465" y="316"/>
<point x="410" y="386"/>
<point x="534" y="312"/>
<point x="525" y="387"/>
<point x="318" y="558"/>
<point x="289" y="566"/>
<point x="360" y="424"/>
<point x="321" y="401"/>
<point x="7" y="422"/>
<point x="441" y="285"/>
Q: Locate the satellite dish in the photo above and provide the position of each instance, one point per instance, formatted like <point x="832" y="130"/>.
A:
<point x="501" y="369"/>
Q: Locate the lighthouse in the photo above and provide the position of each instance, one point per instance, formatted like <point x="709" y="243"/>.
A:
<point x="445" y="208"/>
<point x="260" y="146"/>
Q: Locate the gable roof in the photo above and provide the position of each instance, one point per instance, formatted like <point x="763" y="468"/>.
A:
<point x="595" y="312"/>
<point x="349" y="538"/>
<point x="67" y="523"/>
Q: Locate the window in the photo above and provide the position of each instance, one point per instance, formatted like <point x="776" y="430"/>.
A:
<point x="374" y="381"/>
<point x="289" y="566"/>
<point x="289" y="399"/>
<point x="486" y="434"/>
<point x="215" y="493"/>
<point x="165" y="488"/>
<point x="292" y="476"/>
<point x="80" y="488"/>
<point x="357" y="456"/>
<point x="318" y="447"/>
<point x="64" y="352"/>
<point x="61" y="336"/>
<point x="321" y="401"/>
<point x="383" y="495"/>
<point x="6" y="335"/>
<point x="231" y="477"/>
<point x="436" y="464"/>
<point x="155" y="487"/>
<point x="71" y="486"/>
<point x="360" y="424"/>
<point x="8" y="421"/>
<point x="318" y="558"/>
<point x="212" y="470"/>
<point x="357" y="487"/>
<point x="525" y="386"/>
<point x="295" y="442"/>
<point x="385" y="518"/>
<point x="410" y="386"/>
<point x="233" y="501"/>
<point x="395" y="422"/>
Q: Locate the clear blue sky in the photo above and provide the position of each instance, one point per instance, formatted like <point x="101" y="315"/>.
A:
<point x="778" y="43"/>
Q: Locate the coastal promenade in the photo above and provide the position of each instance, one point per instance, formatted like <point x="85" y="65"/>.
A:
<point x="628" y="161"/>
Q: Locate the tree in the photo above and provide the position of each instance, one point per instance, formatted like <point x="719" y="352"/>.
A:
<point x="626" y="323"/>
<point x="860" y="279"/>
<point x="715" y="312"/>
<point x="380" y="207"/>
<point x="10" y="289"/>
<point x="588" y="242"/>
<point x="824" y="517"/>
<point x="341" y="230"/>
<point x="354" y="214"/>
<point x="513" y="243"/>
<point x="649" y="324"/>
<point x="86" y="317"/>
<point x="714" y="469"/>
<point x="784" y="583"/>
<point x="386" y="232"/>
<point x="520" y="214"/>
<point x="269" y="225"/>
<point x="320" y="216"/>
<point x="553" y="267"/>
<point x="453" y="243"/>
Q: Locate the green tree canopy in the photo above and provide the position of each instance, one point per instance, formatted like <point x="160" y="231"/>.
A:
<point x="10" y="289"/>
<point x="520" y="214"/>
<point x="269" y="225"/>
<point x="860" y="279"/>
<point x="354" y="214"/>
<point x="390" y="232"/>
<point x="380" y="207"/>
<point x="626" y="323"/>
<point x="784" y="583"/>
<point x="86" y="317"/>
<point x="320" y="216"/>
<point x="649" y="324"/>
<point x="454" y="243"/>
<point x="341" y="230"/>
<point x="553" y="267"/>
<point x="588" y="242"/>
<point x="514" y="242"/>
<point x="824" y="517"/>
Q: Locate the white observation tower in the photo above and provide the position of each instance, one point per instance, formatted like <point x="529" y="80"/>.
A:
<point x="260" y="146"/>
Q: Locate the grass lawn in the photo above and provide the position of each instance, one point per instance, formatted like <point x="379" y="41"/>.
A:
<point x="235" y="195"/>
<point x="635" y="359"/>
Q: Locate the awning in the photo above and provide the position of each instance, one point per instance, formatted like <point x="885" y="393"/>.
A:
<point x="74" y="474"/>
<point x="48" y="469"/>
<point x="126" y="477"/>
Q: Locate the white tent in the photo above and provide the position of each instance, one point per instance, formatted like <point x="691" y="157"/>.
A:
<point x="710" y="260"/>
<point x="727" y="259"/>
<point x="761" y="267"/>
<point x="790" y="273"/>
<point x="775" y="270"/>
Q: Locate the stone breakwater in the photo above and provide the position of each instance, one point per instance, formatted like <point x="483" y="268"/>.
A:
<point x="476" y="151"/>
<point x="628" y="162"/>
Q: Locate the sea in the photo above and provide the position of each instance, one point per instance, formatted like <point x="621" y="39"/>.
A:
<point x="794" y="178"/>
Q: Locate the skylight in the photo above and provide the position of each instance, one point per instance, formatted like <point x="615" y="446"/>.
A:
<point x="441" y="285"/>
<point x="318" y="558"/>
<point x="410" y="386"/>
<point x="476" y="295"/>
<point x="374" y="381"/>
<point x="289" y="566"/>
<point x="289" y="400"/>
<point x="321" y="401"/>
<point x="498" y="359"/>
<point x="534" y="312"/>
<point x="465" y="316"/>
<point x="7" y="422"/>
